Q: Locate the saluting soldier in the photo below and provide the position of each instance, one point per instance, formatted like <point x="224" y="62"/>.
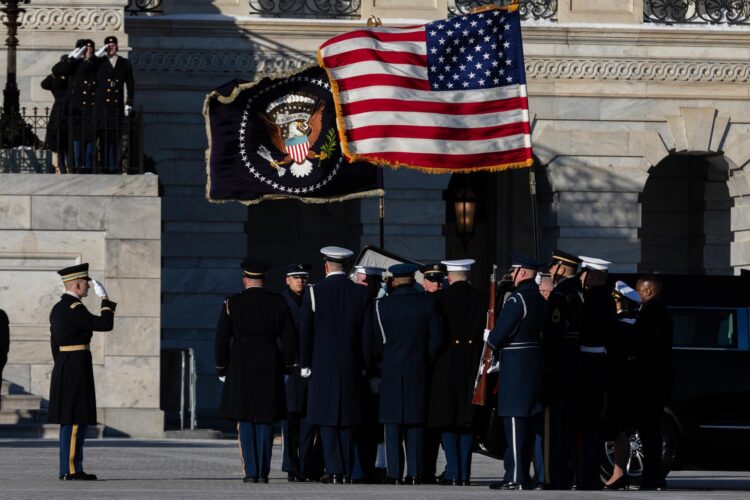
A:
<point x="405" y="331"/>
<point x="300" y="446"/>
<point x="72" y="395"/>
<point x="516" y="337"/>
<point x="113" y="77"/>
<point x="434" y="274"/>
<point x="251" y="324"/>
<point x="562" y="364"/>
<point x="598" y="323"/>
<point x="464" y="309"/>
<point x="332" y="356"/>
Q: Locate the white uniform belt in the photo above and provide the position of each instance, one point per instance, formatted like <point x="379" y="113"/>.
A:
<point x="594" y="350"/>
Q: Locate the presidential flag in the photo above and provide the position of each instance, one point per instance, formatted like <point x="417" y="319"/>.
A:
<point x="442" y="97"/>
<point x="277" y="139"/>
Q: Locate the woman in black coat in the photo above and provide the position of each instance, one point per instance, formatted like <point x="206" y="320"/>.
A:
<point x="57" y="125"/>
<point x="621" y="354"/>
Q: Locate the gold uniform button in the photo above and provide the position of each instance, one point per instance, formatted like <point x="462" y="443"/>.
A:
<point x="471" y="342"/>
<point x="458" y="341"/>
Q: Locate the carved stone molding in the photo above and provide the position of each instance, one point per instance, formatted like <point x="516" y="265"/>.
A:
<point x="71" y="19"/>
<point x="637" y="70"/>
<point x="240" y="63"/>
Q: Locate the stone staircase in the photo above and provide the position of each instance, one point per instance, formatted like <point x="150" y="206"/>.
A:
<point x="22" y="416"/>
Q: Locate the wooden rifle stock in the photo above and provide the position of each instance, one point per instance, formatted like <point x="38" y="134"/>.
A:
<point x="479" y="397"/>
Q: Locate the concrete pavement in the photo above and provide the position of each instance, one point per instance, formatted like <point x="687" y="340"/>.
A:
<point x="174" y="469"/>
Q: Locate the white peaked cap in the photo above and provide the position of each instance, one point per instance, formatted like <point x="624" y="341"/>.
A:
<point x="369" y="270"/>
<point x="594" y="263"/>
<point x="458" y="265"/>
<point x="336" y="254"/>
<point x="626" y="291"/>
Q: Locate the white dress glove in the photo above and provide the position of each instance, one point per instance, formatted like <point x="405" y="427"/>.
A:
<point x="99" y="290"/>
<point x="305" y="372"/>
<point x="128" y="109"/>
<point x="375" y="385"/>
<point x="77" y="53"/>
<point x="486" y="334"/>
<point x="222" y="378"/>
<point x="102" y="50"/>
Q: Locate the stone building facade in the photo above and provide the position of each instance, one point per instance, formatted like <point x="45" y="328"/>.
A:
<point x="640" y="131"/>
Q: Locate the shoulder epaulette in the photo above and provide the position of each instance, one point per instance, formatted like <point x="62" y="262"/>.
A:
<point x="74" y="305"/>
<point x="226" y="305"/>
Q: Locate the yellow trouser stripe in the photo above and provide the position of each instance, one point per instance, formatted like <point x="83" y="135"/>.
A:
<point x="239" y="445"/>
<point x="71" y="348"/>
<point x="72" y="452"/>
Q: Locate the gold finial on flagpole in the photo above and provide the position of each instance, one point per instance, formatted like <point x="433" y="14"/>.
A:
<point x="374" y="22"/>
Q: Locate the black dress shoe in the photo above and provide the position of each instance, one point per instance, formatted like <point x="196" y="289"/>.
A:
<point x="507" y="485"/>
<point x="332" y="479"/>
<point x="78" y="476"/>
<point x="264" y="480"/>
<point x="249" y="479"/>
<point x="653" y="485"/>
<point x="429" y="480"/>
<point x="412" y="480"/>
<point x="448" y="482"/>
<point x="391" y="481"/>
<point x="465" y="482"/>
<point x="622" y="483"/>
<point x="538" y="486"/>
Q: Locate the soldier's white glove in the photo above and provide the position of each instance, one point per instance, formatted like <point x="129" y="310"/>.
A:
<point x="223" y="378"/>
<point x="305" y="372"/>
<point x="375" y="385"/>
<point x="102" y="50"/>
<point x="486" y="334"/>
<point x="128" y="109"/>
<point x="77" y="53"/>
<point x="99" y="289"/>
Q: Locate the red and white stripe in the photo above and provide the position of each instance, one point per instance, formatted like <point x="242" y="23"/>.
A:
<point x="389" y="113"/>
<point x="298" y="152"/>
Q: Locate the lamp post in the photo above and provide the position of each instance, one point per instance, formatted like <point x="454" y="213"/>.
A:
<point x="15" y="131"/>
<point x="465" y="206"/>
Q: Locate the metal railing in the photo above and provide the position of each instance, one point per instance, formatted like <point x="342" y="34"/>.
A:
<point x="322" y="9"/>
<point x="36" y="142"/>
<point x="696" y="11"/>
<point x="147" y="7"/>
<point x="530" y="9"/>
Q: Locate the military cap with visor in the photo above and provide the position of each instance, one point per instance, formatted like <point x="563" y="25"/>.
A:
<point x="78" y="272"/>
<point x="254" y="269"/>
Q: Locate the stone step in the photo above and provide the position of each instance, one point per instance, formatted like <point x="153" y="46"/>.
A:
<point x="43" y="431"/>
<point x="19" y="402"/>
<point x="4" y="388"/>
<point x="22" y="416"/>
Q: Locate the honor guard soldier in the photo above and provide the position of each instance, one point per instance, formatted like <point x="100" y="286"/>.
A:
<point x="332" y="356"/>
<point x="598" y="323"/>
<point x="300" y="448"/>
<point x="560" y="382"/>
<point x="251" y="324"/>
<point x="405" y="331"/>
<point x="464" y="309"/>
<point x="72" y="399"/>
<point x="113" y="77"/>
<point x="434" y="276"/>
<point x="371" y="277"/>
<point x="516" y="338"/>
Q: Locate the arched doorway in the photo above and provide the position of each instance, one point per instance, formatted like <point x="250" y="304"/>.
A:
<point x="685" y="218"/>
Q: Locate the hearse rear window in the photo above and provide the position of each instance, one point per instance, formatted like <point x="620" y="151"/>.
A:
<point x="706" y="328"/>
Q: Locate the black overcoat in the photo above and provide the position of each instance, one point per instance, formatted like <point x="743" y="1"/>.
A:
<point x="112" y="82"/>
<point x="331" y="346"/>
<point x="295" y="385"/>
<point x="72" y="395"/>
<point x="82" y="98"/>
<point x="246" y="349"/>
<point x="56" y="137"/>
<point x="516" y="336"/>
<point x="464" y="312"/>
<point x="623" y="370"/>
<point x="405" y="329"/>
<point x="654" y="352"/>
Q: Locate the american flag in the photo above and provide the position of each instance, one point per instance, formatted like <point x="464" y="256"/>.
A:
<point x="446" y="96"/>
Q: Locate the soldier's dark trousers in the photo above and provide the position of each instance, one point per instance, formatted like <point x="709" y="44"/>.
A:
<point x="519" y="434"/>
<point x="395" y="435"/>
<point x="72" y="437"/>
<point x="430" y="453"/>
<point x="366" y="450"/>
<point x="562" y="434"/>
<point x="649" y="429"/>
<point x="338" y="449"/>
<point x="458" y="444"/>
<point x="256" y="441"/>
<point x="297" y="441"/>
<point x="538" y="447"/>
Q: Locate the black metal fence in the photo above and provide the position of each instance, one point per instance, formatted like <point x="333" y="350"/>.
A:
<point x="320" y="9"/>
<point x="147" y="7"/>
<point x="529" y="9"/>
<point x="34" y="141"/>
<point x="697" y="11"/>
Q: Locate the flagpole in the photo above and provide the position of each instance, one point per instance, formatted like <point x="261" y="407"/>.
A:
<point x="381" y="213"/>
<point x="534" y="213"/>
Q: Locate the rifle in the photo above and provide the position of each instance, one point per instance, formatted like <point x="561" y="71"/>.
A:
<point x="480" y="384"/>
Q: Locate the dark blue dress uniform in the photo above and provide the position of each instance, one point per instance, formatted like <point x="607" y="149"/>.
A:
<point x="516" y="337"/>
<point x="561" y="381"/>
<point x="405" y="329"/>
<point x="463" y="309"/>
<point x="72" y="400"/>
<point x="598" y="324"/>
<point x="246" y="349"/>
<point x="331" y="347"/>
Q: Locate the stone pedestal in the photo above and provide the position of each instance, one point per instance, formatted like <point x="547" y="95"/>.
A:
<point x="113" y="223"/>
